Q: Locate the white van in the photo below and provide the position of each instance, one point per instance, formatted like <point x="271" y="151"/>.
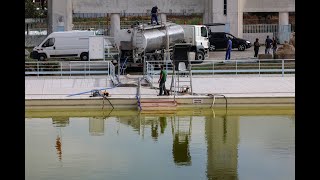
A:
<point x="64" y="44"/>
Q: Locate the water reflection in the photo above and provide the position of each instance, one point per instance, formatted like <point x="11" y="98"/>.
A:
<point x="154" y="130"/>
<point x="60" y="121"/>
<point x="58" y="147"/>
<point x="196" y="142"/>
<point x="222" y="135"/>
<point x="96" y="126"/>
<point x="181" y="131"/>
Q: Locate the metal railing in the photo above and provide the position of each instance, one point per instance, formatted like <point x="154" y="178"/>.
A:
<point x="266" y="28"/>
<point x="153" y="68"/>
<point x="236" y="67"/>
<point x="69" y="68"/>
<point x="36" y="31"/>
<point x="233" y="67"/>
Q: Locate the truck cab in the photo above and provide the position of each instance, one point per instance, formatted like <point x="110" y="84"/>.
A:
<point x="198" y="36"/>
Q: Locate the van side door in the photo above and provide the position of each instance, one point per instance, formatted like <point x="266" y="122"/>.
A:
<point x="49" y="48"/>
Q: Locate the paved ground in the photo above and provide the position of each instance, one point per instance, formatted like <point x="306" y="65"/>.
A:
<point x="235" y="54"/>
<point x="228" y="85"/>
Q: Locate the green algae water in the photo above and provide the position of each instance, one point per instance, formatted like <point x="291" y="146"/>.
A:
<point x="247" y="143"/>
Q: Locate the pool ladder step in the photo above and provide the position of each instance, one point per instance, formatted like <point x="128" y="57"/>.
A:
<point x="158" y="105"/>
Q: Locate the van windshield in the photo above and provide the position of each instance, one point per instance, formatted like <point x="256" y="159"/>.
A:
<point x="48" y="43"/>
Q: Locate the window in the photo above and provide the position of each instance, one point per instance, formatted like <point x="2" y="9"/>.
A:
<point x="219" y="35"/>
<point x="48" y="43"/>
<point x="225" y="7"/>
<point x="229" y="36"/>
<point x="204" y="32"/>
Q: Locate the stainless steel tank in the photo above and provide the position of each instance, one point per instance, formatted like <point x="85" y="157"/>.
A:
<point x="155" y="39"/>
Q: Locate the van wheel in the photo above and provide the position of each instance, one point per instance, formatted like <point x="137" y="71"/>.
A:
<point x="84" y="57"/>
<point x="242" y="47"/>
<point x="41" y="57"/>
<point x="212" y="48"/>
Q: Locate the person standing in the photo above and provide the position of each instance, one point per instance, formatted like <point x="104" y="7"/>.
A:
<point x="268" y="43"/>
<point x="162" y="80"/>
<point x="274" y="45"/>
<point x="154" y="14"/>
<point x="229" y="47"/>
<point x="256" y="45"/>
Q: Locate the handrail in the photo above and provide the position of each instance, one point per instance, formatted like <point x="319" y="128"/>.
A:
<point x="68" y="68"/>
<point x="138" y="96"/>
<point x="237" y="67"/>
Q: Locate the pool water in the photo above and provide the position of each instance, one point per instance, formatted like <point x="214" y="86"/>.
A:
<point x="194" y="145"/>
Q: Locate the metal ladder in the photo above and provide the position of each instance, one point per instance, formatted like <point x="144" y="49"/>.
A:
<point x="182" y="85"/>
<point x="139" y="37"/>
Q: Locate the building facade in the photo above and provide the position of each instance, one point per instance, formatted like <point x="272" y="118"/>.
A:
<point x="213" y="11"/>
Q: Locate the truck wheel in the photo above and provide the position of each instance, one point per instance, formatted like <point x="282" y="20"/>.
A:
<point x="242" y="47"/>
<point x="200" y="55"/>
<point x="41" y="57"/>
<point x="84" y="56"/>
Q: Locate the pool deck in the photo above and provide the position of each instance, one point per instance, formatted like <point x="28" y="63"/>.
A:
<point x="240" y="90"/>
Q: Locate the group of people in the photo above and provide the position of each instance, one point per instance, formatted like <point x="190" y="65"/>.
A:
<point x="269" y="43"/>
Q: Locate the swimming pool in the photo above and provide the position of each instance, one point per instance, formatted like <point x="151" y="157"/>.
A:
<point x="196" y="144"/>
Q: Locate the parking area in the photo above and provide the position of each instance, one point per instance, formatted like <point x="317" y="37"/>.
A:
<point x="235" y="54"/>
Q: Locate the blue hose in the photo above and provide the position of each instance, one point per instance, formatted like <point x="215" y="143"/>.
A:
<point x="92" y="90"/>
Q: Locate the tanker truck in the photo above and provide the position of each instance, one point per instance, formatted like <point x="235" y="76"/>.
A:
<point x="150" y="42"/>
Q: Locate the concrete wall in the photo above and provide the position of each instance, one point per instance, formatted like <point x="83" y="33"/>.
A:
<point x="137" y="6"/>
<point x="215" y="7"/>
<point x="31" y="41"/>
<point x="212" y="10"/>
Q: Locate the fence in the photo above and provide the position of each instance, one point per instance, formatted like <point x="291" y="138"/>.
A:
<point x="282" y="33"/>
<point x="231" y="67"/>
<point x="260" y="28"/>
<point x="69" y="68"/>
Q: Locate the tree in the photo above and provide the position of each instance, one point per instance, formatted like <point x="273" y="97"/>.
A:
<point x="43" y="4"/>
<point x="30" y="9"/>
<point x="33" y="10"/>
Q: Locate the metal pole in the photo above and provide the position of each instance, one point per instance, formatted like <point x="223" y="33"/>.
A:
<point x="119" y="64"/>
<point x="60" y="68"/>
<point x="259" y="67"/>
<point x="236" y="68"/>
<point x="38" y="68"/>
<point x="282" y="67"/>
<point x="167" y="48"/>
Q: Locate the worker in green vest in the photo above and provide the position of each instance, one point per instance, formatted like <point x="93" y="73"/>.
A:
<point x="162" y="81"/>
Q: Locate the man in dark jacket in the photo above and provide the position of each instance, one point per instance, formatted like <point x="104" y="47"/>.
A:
<point x="154" y="14"/>
<point x="229" y="48"/>
<point x="256" y="45"/>
<point x="268" y="43"/>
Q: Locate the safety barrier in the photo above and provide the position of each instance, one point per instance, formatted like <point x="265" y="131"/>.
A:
<point x="69" y="68"/>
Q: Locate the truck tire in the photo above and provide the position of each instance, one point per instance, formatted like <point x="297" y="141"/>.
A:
<point x="84" y="56"/>
<point x="200" y="56"/>
<point x="42" y="57"/>
<point x="242" y="47"/>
